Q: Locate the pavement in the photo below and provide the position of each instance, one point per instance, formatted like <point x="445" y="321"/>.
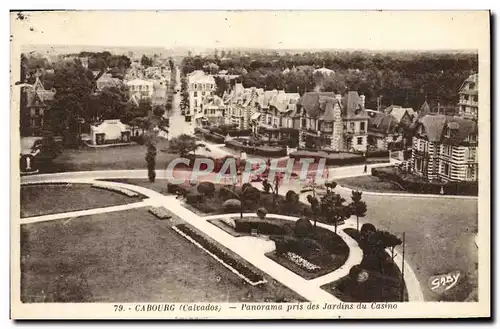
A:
<point x="309" y="289"/>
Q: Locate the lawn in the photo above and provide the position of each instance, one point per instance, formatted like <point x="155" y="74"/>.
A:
<point x="370" y="184"/>
<point x="127" y="256"/>
<point x="439" y="237"/>
<point x="108" y="158"/>
<point x="45" y="199"/>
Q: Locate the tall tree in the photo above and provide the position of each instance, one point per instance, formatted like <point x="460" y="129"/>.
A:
<point x="146" y="61"/>
<point x="74" y="86"/>
<point x="358" y="207"/>
<point x="333" y="208"/>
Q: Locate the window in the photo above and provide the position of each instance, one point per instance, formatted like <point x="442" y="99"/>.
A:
<point x="205" y="112"/>
<point x="351" y="125"/>
<point x="472" y="85"/>
<point x="345" y="125"/>
<point x="360" y="140"/>
<point x="472" y="138"/>
<point x="446" y="168"/>
<point x="471" y="172"/>
<point x="472" y="154"/>
<point x="203" y="94"/>
<point x="362" y="126"/>
<point x="195" y="94"/>
<point x="269" y="120"/>
<point x="474" y="98"/>
<point x="304" y="123"/>
<point x="466" y="97"/>
<point x="195" y="86"/>
<point x="447" y="132"/>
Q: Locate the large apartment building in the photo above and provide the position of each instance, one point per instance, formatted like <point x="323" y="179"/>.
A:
<point x="468" y="98"/>
<point x="199" y="85"/>
<point x="445" y="148"/>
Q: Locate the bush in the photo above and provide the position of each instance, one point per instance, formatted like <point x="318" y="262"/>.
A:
<point x="232" y="205"/>
<point x="291" y="197"/>
<point x="303" y="227"/>
<point x="252" y="194"/>
<point x="226" y="192"/>
<point x="262" y="213"/>
<point x="206" y="188"/>
<point x="300" y="246"/>
<point x="194" y="198"/>
<point x="267" y="227"/>
<point x="377" y="153"/>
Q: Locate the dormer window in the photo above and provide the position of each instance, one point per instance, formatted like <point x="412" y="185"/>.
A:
<point x="447" y="133"/>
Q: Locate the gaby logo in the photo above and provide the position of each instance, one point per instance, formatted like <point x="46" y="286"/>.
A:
<point x="444" y="282"/>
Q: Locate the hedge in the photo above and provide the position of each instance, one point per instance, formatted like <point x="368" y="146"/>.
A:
<point x="416" y="184"/>
<point x="262" y="226"/>
<point x="225" y="257"/>
<point x="257" y="150"/>
<point x="331" y="158"/>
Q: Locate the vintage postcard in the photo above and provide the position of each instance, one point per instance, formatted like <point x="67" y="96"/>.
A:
<point x="250" y="164"/>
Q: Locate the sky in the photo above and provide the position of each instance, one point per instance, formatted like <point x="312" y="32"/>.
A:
<point x="373" y="30"/>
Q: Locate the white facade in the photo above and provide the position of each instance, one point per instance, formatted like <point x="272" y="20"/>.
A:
<point x="110" y="131"/>
<point x="468" y="98"/>
<point x="199" y="85"/>
<point x="142" y="89"/>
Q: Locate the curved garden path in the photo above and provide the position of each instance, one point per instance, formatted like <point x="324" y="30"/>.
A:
<point x="309" y="289"/>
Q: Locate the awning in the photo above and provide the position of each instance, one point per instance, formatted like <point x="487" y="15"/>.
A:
<point x="255" y="116"/>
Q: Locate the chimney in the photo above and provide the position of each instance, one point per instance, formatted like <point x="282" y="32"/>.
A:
<point x="362" y="100"/>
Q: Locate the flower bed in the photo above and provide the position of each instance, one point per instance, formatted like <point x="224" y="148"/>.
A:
<point x="301" y="262"/>
<point x="229" y="222"/>
<point x="160" y="212"/>
<point x="116" y="189"/>
<point x="247" y="274"/>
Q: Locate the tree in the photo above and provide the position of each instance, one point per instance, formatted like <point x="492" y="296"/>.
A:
<point x="146" y="61"/>
<point x="74" y="86"/>
<point x="221" y="85"/>
<point x="330" y="186"/>
<point x="110" y="103"/>
<point x="333" y="209"/>
<point x="315" y="207"/>
<point x="154" y="124"/>
<point x="357" y="206"/>
<point x="184" y="144"/>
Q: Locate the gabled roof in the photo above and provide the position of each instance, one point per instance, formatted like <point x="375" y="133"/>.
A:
<point x="381" y="122"/>
<point x="352" y="106"/>
<point x="310" y="101"/>
<point x="399" y="113"/>
<point x="435" y="126"/>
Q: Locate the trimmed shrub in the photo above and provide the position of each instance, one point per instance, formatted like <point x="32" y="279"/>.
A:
<point x="291" y="197"/>
<point x="206" y="188"/>
<point x="194" y="198"/>
<point x="303" y="227"/>
<point x="232" y="205"/>
<point x="262" y="213"/>
<point x="226" y="192"/>
<point x="252" y="194"/>
<point x="270" y="151"/>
